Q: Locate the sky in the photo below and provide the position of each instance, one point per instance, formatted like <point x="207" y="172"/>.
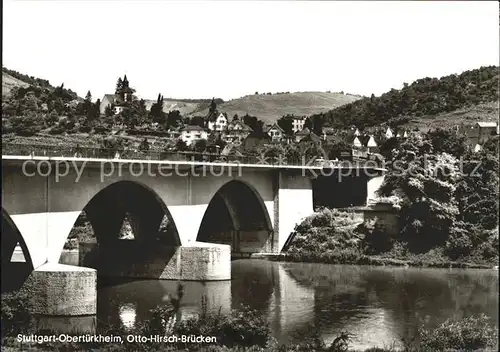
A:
<point x="229" y="49"/>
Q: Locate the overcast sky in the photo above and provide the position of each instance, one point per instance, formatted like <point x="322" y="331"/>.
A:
<point x="231" y="49"/>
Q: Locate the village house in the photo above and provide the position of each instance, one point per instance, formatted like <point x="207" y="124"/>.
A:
<point x="298" y="123"/>
<point x="218" y="123"/>
<point x="107" y="100"/>
<point x="275" y="132"/>
<point x="389" y="133"/>
<point x="191" y="134"/>
<point x="479" y="133"/>
<point x="231" y="152"/>
<point x="255" y="140"/>
<point x="118" y="99"/>
<point x="236" y="132"/>
<point x="302" y="134"/>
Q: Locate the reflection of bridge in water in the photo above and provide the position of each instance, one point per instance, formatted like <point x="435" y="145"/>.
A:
<point x="262" y="285"/>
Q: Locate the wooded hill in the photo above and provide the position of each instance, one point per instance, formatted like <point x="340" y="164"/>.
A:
<point x="425" y="97"/>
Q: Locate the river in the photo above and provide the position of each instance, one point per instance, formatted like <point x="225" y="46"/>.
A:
<point x="376" y="304"/>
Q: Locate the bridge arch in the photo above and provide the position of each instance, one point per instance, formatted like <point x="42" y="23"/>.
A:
<point x="236" y="215"/>
<point x="13" y="273"/>
<point x="108" y="208"/>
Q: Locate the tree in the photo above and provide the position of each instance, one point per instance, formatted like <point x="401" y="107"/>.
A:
<point x="174" y="119"/>
<point x="426" y="184"/>
<point x="478" y="189"/>
<point x="235" y="117"/>
<point x="254" y="123"/>
<point x="200" y="145"/>
<point x="52" y="118"/>
<point x="144" y="146"/>
<point x="119" y="86"/>
<point x="109" y="111"/>
<point x="448" y="141"/>
<point x="286" y="123"/>
<point x="88" y="97"/>
<point x="181" y="146"/>
<point x="157" y="114"/>
<point x="336" y="149"/>
<point x="197" y="121"/>
<point x="212" y="110"/>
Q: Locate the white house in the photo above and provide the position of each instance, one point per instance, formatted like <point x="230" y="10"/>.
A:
<point x="356" y="133"/>
<point x="298" y="123"/>
<point x="371" y="143"/>
<point x="389" y="133"/>
<point x="191" y="134"/>
<point x="275" y="132"/>
<point x="107" y="99"/>
<point x="236" y="132"/>
<point x="356" y="142"/>
<point x="219" y="124"/>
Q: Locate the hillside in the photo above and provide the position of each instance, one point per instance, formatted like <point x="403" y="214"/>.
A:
<point x="270" y="108"/>
<point x="9" y="82"/>
<point x="481" y="112"/>
<point x="185" y="108"/>
<point x="423" y="101"/>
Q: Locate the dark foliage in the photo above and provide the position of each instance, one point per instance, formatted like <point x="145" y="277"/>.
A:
<point x="427" y="96"/>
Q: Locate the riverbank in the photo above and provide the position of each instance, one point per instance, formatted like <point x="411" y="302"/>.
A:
<point x="366" y="260"/>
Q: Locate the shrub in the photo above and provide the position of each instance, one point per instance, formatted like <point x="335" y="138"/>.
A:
<point x="16" y="312"/>
<point x="243" y="327"/>
<point x="468" y="334"/>
<point x="460" y="241"/>
<point x="57" y="130"/>
<point x="376" y="240"/>
<point x="325" y="230"/>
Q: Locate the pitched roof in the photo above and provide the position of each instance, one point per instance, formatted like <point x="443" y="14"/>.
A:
<point x="311" y="137"/>
<point x="371" y="142"/>
<point x="487" y="124"/>
<point x="231" y="149"/>
<point x="109" y="97"/>
<point x="258" y="135"/>
<point x="305" y="132"/>
<point x="244" y="127"/>
<point x="356" y="142"/>
<point x="270" y="127"/>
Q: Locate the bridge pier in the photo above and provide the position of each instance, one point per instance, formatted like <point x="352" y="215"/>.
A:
<point x="62" y="290"/>
<point x="151" y="260"/>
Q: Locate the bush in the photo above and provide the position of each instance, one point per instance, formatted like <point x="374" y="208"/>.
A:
<point x="376" y="239"/>
<point x="57" y="130"/>
<point x="326" y="230"/>
<point x="243" y="327"/>
<point x="16" y="312"/>
<point x="459" y="243"/>
<point x="468" y="334"/>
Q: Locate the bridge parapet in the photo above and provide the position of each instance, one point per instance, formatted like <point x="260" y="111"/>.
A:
<point x="97" y="153"/>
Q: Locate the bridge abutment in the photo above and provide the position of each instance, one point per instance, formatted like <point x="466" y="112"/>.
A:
<point x="293" y="202"/>
<point x="373" y="184"/>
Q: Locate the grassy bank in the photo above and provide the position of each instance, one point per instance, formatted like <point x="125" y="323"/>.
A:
<point x="349" y="259"/>
<point x="337" y="237"/>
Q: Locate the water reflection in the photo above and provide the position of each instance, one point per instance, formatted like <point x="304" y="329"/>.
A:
<point x="128" y="315"/>
<point x="377" y="304"/>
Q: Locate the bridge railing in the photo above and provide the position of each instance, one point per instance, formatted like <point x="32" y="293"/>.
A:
<point x="52" y="151"/>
